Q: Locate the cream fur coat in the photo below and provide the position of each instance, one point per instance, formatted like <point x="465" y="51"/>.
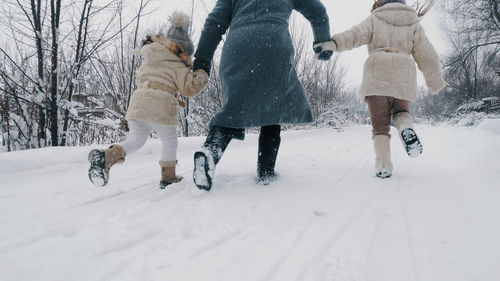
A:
<point x="159" y="79"/>
<point x="393" y="34"/>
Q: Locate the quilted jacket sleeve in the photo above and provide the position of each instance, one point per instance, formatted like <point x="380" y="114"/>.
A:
<point x="357" y="36"/>
<point x="427" y="60"/>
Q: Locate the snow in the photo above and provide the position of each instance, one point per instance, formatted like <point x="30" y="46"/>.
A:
<point x="106" y="122"/>
<point x="490" y="125"/>
<point x="326" y="219"/>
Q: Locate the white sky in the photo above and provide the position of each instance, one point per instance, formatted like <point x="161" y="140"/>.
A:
<point x="343" y="15"/>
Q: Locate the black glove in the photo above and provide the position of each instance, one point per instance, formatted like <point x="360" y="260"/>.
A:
<point x="202" y="64"/>
<point x="321" y="54"/>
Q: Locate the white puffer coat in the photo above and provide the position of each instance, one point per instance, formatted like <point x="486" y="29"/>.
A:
<point x="393" y="33"/>
<point x="159" y="79"/>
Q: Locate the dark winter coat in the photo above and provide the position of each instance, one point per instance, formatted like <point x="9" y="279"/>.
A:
<point x="259" y="82"/>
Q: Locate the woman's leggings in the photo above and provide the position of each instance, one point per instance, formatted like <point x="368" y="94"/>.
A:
<point x="139" y="133"/>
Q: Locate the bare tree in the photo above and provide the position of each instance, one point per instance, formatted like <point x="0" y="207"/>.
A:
<point x="471" y="67"/>
<point x="479" y="17"/>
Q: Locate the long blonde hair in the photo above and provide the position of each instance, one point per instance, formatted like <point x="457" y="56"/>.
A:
<point x="421" y="9"/>
<point x="424" y="8"/>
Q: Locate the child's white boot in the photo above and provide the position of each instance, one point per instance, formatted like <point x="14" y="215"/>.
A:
<point x="404" y="124"/>
<point x="383" y="164"/>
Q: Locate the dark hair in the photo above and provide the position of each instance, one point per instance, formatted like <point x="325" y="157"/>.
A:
<point x="147" y="41"/>
<point x="376" y="5"/>
<point x="421" y="9"/>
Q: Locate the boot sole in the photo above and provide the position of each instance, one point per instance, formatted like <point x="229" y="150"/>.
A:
<point x="97" y="171"/>
<point x="384" y="175"/>
<point x="412" y="144"/>
<point x="164" y="184"/>
<point x="201" y="176"/>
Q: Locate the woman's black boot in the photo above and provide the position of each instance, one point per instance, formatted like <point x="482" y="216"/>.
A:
<point x="207" y="158"/>
<point x="269" y="144"/>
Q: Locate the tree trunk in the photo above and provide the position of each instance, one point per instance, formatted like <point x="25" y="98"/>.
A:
<point x="80" y="47"/>
<point x="139" y="13"/>
<point x="55" y="10"/>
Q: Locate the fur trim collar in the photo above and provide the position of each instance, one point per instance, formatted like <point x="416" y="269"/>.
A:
<point x="167" y="50"/>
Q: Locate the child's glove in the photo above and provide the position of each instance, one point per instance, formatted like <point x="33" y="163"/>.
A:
<point x="206" y="65"/>
<point x="324" y="50"/>
<point x="200" y="78"/>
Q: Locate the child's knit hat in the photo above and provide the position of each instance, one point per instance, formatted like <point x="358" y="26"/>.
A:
<point x="383" y="2"/>
<point x="179" y="31"/>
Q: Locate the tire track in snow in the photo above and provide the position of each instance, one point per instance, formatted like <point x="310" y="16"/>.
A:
<point x="413" y="273"/>
<point x="219" y="242"/>
<point x="330" y="243"/>
<point x="275" y="269"/>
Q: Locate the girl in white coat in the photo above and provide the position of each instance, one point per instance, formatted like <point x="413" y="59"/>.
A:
<point x="394" y="35"/>
<point x="165" y="72"/>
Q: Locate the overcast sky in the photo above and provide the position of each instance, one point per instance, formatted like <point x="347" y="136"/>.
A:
<point x="343" y="15"/>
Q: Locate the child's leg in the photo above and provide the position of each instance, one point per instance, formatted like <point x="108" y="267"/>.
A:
<point x="401" y="114"/>
<point x="400" y="106"/>
<point x="404" y="123"/>
<point x="168" y="138"/>
<point x="380" y="115"/>
<point x="101" y="160"/>
<point x="137" y="136"/>
<point x="168" y="159"/>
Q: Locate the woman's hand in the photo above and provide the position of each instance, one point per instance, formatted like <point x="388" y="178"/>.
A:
<point x="205" y="65"/>
<point x="324" y="50"/>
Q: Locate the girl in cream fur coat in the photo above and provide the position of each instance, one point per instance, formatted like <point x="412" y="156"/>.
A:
<point x="394" y="35"/>
<point x="165" y="72"/>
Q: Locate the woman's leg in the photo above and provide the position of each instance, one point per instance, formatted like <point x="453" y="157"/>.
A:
<point x="168" y="159"/>
<point x="219" y="138"/>
<point x="205" y="160"/>
<point x="269" y="144"/>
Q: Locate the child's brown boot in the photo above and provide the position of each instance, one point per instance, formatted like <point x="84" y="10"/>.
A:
<point x="101" y="161"/>
<point x="168" y="175"/>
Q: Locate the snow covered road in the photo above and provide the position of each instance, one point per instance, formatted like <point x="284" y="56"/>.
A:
<point x="327" y="218"/>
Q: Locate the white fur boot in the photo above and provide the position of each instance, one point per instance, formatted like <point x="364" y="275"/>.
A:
<point x="404" y="124"/>
<point x="383" y="164"/>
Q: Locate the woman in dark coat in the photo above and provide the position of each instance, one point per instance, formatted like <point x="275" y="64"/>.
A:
<point x="260" y="87"/>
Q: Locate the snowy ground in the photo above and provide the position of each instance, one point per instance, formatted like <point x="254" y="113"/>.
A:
<point x="326" y="219"/>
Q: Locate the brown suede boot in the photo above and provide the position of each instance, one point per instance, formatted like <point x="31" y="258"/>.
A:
<point x="168" y="175"/>
<point x="101" y="161"/>
<point x="114" y="154"/>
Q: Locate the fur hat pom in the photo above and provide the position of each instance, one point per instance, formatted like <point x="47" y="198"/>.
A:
<point x="180" y="20"/>
<point x="179" y="31"/>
